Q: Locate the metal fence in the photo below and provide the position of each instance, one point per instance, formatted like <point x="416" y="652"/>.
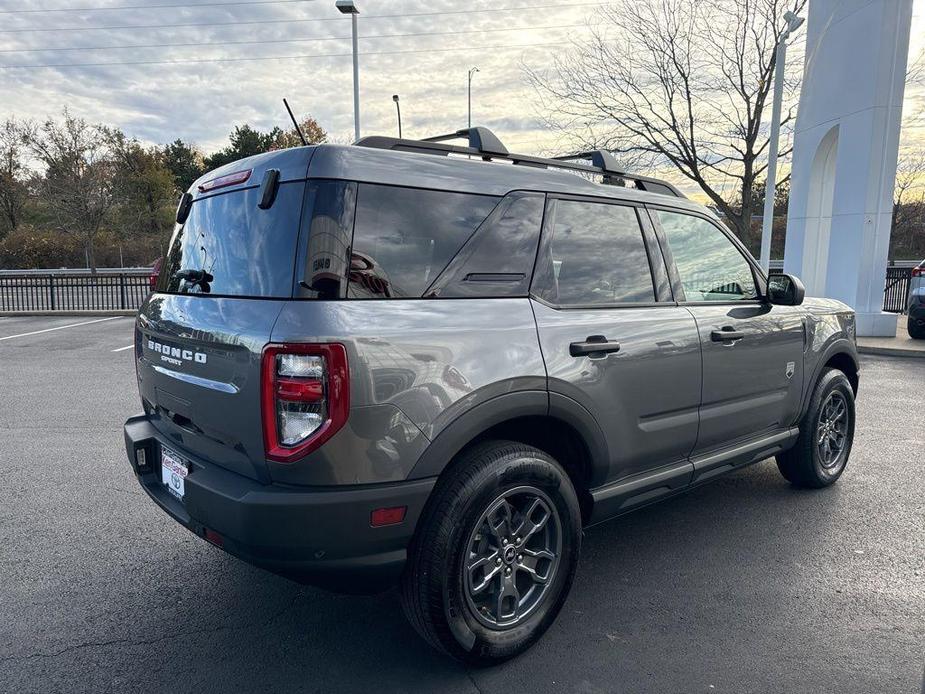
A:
<point x="59" y="290"/>
<point x="69" y="291"/>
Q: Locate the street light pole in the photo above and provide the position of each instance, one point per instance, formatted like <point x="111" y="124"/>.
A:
<point x="770" y="188"/>
<point x="398" y="109"/>
<point x="472" y="71"/>
<point x="349" y="7"/>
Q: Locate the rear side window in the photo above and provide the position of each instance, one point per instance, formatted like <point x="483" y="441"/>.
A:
<point x="403" y="238"/>
<point x="594" y="255"/>
<point x="230" y="247"/>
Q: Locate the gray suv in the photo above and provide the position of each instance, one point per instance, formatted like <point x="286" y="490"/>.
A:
<point x="431" y="365"/>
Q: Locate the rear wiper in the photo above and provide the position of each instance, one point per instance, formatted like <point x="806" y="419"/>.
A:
<point x="194" y="277"/>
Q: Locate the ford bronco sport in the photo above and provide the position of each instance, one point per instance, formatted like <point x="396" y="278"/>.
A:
<point x="426" y="364"/>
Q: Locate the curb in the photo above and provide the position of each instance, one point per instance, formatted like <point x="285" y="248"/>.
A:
<point x="65" y="314"/>
<point x="892" y="352"/>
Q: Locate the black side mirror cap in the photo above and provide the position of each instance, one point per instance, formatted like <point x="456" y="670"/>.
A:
<point x="268" y="189"/>
<point x="786" y="290"/>
<point x="183" y="209"/>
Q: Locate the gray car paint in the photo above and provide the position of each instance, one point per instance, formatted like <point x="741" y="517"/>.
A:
<point x="420" y="367"/>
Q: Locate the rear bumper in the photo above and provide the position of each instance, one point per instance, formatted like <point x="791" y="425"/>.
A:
<point x="315" y="535"/>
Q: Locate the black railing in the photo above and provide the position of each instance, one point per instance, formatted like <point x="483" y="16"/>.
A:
<point x="61" y="291"/>
<point x="81" y="291"/>
<point x="896" y="293"/>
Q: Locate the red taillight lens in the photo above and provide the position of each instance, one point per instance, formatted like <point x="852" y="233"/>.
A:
<point x="918" y="271"/>
<point x="306" y="397"/>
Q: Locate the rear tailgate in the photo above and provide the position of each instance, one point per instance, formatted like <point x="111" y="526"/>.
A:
<point x="225" y="278"/>
<point x="198" y="362"/>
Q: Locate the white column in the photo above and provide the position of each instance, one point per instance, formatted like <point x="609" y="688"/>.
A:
<point x="846" y="143"/>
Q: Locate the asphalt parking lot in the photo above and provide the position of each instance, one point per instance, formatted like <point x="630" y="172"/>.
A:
<point x="746" y="585"/>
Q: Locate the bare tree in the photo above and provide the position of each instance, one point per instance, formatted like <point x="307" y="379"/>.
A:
<point x="79" y="178"/>
<point x="12" y="170"/>
<point x="680" y="82"/>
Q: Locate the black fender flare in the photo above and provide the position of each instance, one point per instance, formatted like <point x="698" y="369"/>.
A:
<point x="842" y="345"/>
<point x="454" y="437"/>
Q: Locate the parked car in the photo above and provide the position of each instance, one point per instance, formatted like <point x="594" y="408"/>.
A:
<point x="155" y="273"/>
<point x="915" y="323"/>
<point x="404" y="362"/>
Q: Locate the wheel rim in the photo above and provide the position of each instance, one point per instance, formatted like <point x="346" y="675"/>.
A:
<point x="512" y="557"/>
<point x="832" y="431"/>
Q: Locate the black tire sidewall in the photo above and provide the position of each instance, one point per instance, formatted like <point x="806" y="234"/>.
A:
<point x="517" y="469"/>
<point x="832" y="381"/>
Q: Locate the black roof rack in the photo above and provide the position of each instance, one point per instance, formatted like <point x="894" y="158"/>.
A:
<point x="485" y="144"/>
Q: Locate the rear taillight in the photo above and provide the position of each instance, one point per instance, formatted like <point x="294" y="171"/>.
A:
<point x="918" y="271"/>
<point x="306" y="397"/>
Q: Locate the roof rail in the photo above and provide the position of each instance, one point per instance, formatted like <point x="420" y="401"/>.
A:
<point x="485" y="144"/>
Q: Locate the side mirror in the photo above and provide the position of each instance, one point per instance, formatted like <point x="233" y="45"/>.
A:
<point x="786" y="290"/>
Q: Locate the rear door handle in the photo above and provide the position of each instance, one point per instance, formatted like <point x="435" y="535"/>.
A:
<point x="594" y="344"/>
<point x="726" y="334"/>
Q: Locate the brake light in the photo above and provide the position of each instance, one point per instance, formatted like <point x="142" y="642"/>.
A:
<point x="306" y="397"/>
<point x="918" y="271"/>
<point x="231" y="179"/>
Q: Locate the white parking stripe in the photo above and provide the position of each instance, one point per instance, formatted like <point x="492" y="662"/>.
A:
<point x="60" y="327"/>
<point x="122" y="349"/>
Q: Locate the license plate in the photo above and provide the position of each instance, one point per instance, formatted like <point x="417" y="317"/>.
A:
<point x="173" y="473"/>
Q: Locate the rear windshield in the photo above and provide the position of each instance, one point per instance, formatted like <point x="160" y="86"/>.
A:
<point x="230" y="247"/>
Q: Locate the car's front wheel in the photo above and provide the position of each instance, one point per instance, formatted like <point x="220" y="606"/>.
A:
<point x="826" y="434"/>
<point x="494" y="557"/>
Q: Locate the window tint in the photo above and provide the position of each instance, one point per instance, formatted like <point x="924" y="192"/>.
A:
<point x="498" y="259"/>
<point x="230" y="247"/>
<point x="596" y="255"/>
<point x="404" y="237"/>
<point x="329" y="207"/>
<point x="711" y="268"/>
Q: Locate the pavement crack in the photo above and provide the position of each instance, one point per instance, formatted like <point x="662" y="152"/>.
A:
<point x="147" y="642"/>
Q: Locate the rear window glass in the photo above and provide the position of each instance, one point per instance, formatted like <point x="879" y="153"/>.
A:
<point x="230" y="247"/>
<point x="404" y="237"/>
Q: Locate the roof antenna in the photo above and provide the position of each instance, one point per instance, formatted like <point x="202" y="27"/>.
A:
<point x="295" y="122"/>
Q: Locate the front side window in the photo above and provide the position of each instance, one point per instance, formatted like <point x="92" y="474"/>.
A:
<point x="404" y="237"/>
<point x="596" y="256"/>
<point x="710" y="267"/>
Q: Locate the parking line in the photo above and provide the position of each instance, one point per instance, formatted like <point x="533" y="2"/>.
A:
<point x="60" y="327"/>
<point x="122" y="349"/>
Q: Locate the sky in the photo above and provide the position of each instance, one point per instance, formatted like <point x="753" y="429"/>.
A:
<point x="421" y="50"/>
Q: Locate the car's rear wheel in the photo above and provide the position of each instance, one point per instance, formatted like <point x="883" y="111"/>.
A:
<point x="826" y="434"/>
<point x="915" y="329"/>
<point x="493" y="559"/>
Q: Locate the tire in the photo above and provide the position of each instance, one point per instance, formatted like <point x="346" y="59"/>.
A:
<point x="457" y="610"/>
<point x="916" y="331"/>
<point x="808" y="463"/>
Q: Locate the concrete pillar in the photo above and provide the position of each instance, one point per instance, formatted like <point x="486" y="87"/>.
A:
<point x="846" y="143"/>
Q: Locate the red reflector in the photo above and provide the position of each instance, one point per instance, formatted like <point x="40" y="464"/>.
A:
<point x="214" y="537"/>
<point x="387" y="516"/>
<point x="231" y="179"/>
<point x="299" y="390"/>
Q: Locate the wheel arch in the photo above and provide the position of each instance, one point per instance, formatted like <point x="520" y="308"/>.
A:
<point x="841" y="355"/>
<point x="551" y="422"/>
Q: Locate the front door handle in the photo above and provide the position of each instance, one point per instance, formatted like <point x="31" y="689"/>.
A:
<point x="594" y="344"/>
<point x="726" y="334"/>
